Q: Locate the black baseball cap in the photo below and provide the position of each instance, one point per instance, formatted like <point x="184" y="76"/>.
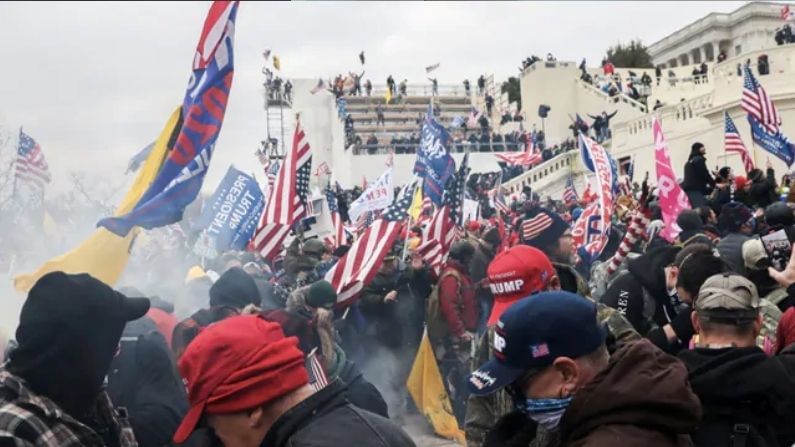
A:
<point x="534" y="332"/>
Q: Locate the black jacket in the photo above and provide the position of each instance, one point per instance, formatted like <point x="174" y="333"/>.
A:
<point x="763" y="191"/>
<point x="697" y="176"/>
<point x="361" y="392"/>
<point x="743" y="386"/>
<point x="144" y="380"/>
<point x="328" y="419"/>
<point x="640" y="294"/>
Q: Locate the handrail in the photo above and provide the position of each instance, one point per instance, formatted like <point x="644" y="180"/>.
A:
<point x="619" y="97"/>
<point x="417" y="90"/>
<point x="565" y="161"/>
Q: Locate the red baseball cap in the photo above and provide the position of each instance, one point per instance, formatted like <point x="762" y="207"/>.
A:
<point x="238" y="364"/>
<point x="515" y="274"/>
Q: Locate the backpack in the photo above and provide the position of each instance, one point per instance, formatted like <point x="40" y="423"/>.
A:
<point x="733" y="426"/>
<point x="434" y="320"/>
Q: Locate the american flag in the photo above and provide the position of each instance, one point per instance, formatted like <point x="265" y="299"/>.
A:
<point x="271" y="172"/>
<point x="756" y="102"/>
<point x="733" y="143"/>
<point x="319" y="87"/>
<point x="338" y="234"/>
<point x="787" y="13"/>
<point x="323" y="169"/>
<point x="533" y="226"/>
<point x="529" y="157"/>
<point x="569" y="194"/>
<point x="588" y="195"/>
<point x="474" y="116"/>
<point x="365" y="220"/>
<point x="443" y="226"/>
<point x="358" y="267"/>
<point x="31" y="167"/>
<point x="317" y="375"/>
<point x="288" y="198"/>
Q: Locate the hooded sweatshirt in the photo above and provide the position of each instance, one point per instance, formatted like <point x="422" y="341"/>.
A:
<point x="743" y="385"/>
<point x="641" y="398"/>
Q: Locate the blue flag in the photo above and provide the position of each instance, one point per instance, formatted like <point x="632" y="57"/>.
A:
<point x="434" y="162"/>
<point x="230" y="216"/>
<point x="586" y="160"/>
<point x="181" y="177"/>
<point x="775" y="143"/>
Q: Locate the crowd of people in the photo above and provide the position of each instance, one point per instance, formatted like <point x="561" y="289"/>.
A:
<point x="665" y="343"/>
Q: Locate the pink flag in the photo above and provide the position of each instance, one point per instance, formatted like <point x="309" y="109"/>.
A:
<point x="672" y="199"/>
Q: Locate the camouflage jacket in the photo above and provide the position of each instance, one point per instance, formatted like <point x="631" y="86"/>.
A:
<point x="483" y="412"/>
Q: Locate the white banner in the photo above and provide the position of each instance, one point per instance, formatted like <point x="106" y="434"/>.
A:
<point x="377" y="196"/>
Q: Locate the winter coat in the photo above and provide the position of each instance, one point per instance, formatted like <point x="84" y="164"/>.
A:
<point x="483" y="412"/>
<point x="697" y="176"/>
<point x="730" y="249"/>
<point x="30" y="419"/>
<point x="641" y="398"/>
<point x="144" y="380"/>
<point x="763" y="192"/>
<point x="743" y="386"/>
<point x="640" y="294"/>
<point x="382" y="316"/>
<point x="361" y="392"/>
<point x="457" y="300"/>
<point x="327" y="419"/>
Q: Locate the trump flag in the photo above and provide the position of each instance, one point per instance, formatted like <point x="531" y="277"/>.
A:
<point x="182" y="175"/>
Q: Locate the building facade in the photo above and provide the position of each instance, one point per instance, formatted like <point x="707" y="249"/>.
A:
<point x="749" y="28"/>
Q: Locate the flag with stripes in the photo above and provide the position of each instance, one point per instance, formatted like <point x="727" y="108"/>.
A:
<point x="322" y="169"/>
<point x="338" y="233"/>
<point x="529" y="157"/>
<point x="734" y="144"/>
<point x="30" y="166"/>
<point x="360" y="264"/>
<point x="288" y="198"/>
<point x="445" y="222"/>
<point x="533" y="226"/>
<point x="317" y="374"/>
<point x="569" y="194"/>
<point x="756" y="102"/>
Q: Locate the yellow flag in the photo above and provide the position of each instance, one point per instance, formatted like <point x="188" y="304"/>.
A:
<point x="104" y="255"/>
<point x="277" y="64"/>
<point x="427" y="389"/>
<point x="388" y="96"/>
<point x="416" y="204"/>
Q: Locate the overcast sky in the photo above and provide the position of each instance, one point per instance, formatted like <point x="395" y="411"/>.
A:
<point x="94" y="82"/>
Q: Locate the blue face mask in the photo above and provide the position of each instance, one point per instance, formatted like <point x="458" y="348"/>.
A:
<point x="545" y="412"/>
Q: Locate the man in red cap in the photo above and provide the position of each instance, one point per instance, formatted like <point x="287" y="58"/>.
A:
<point x="247" y="382"/>
<point x="514" y="274"/>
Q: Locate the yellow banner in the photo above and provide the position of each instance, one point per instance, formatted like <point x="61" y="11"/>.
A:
<point x="104" y="255"/>
<point x="427" y="389"/>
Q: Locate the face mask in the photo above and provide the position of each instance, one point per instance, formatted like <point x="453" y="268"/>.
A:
<point x="545" y="412"/>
